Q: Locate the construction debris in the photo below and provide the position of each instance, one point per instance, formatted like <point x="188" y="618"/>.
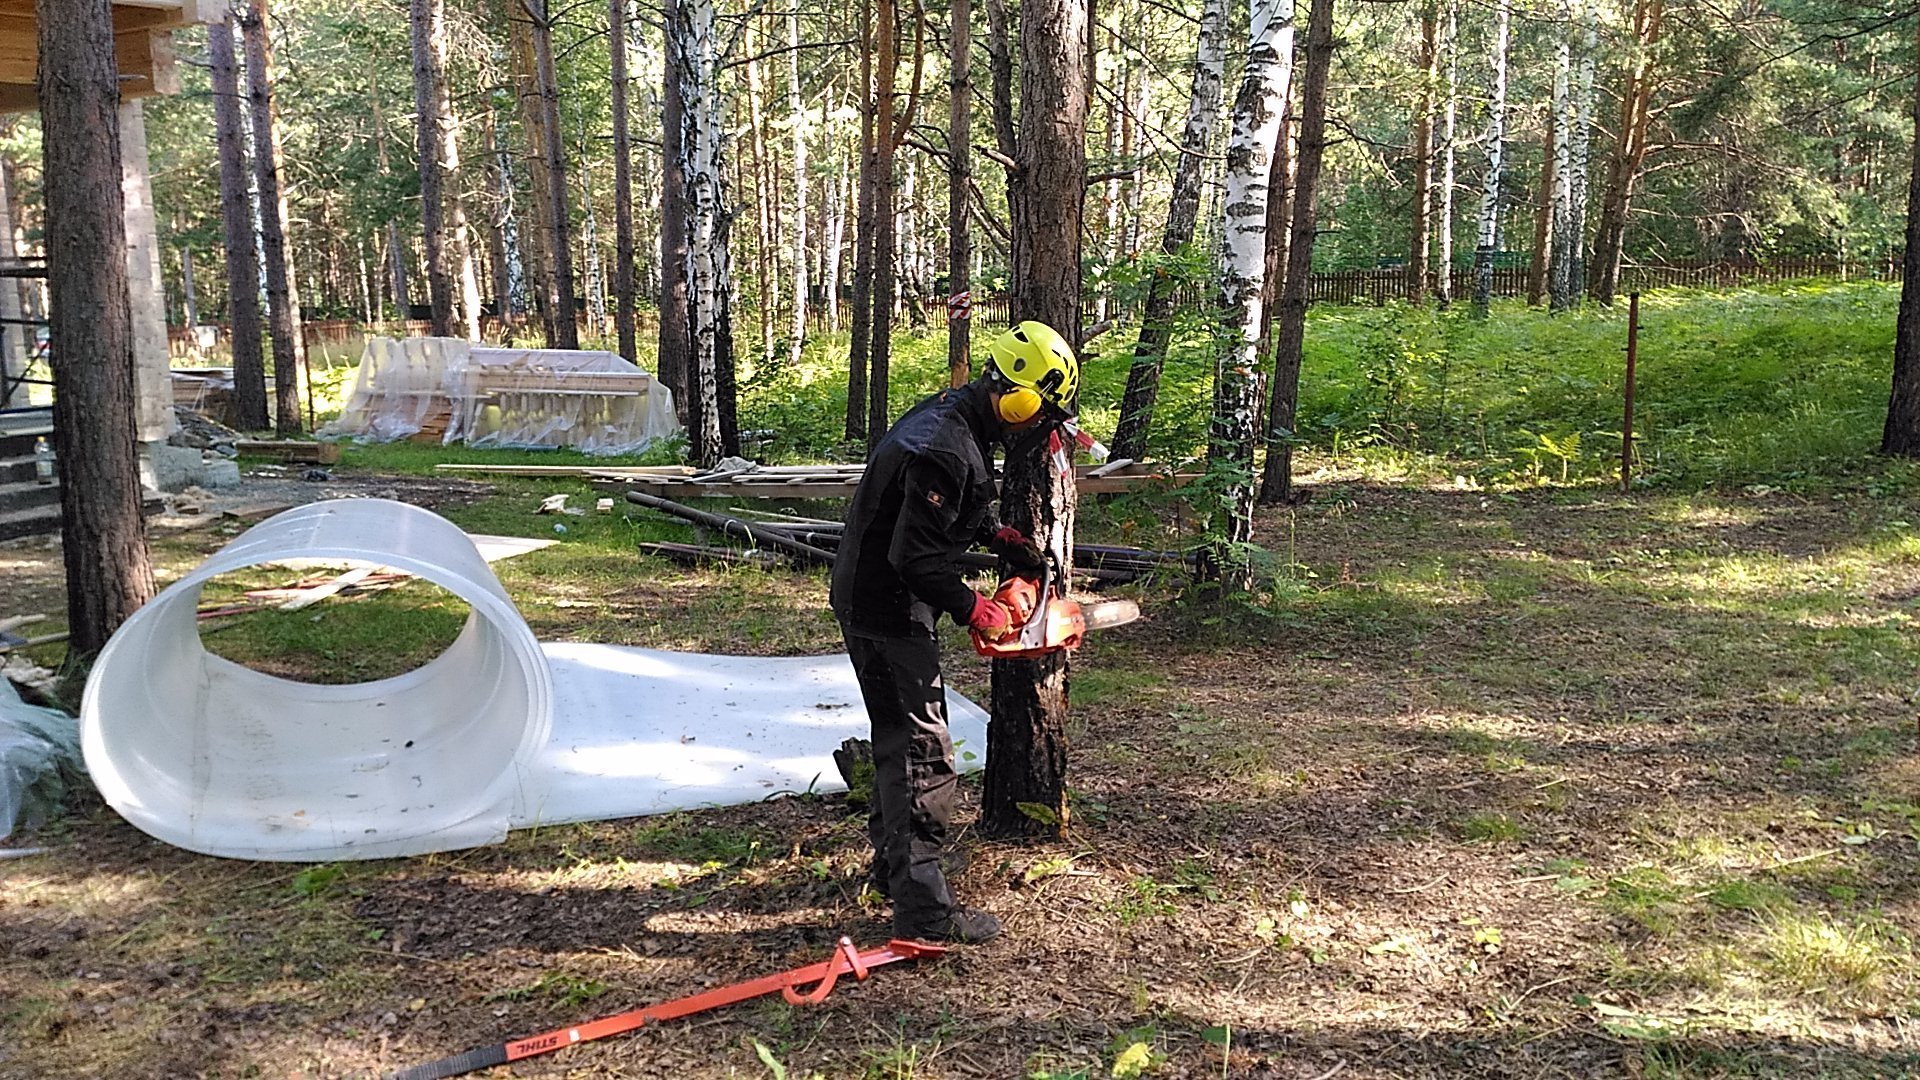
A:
<point x="812" y="542"/>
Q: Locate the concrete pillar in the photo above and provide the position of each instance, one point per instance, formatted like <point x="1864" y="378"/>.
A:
<point x="153" y="414"/>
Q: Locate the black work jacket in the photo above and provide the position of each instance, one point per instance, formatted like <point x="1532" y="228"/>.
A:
<point x="926" y="495"/>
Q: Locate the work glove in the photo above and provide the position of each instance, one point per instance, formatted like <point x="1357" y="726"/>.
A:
<point x="990" y="617"/>
<point x="1018" y="549"/>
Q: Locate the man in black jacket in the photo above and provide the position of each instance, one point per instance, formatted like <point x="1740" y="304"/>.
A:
<point x="926" y="496"/>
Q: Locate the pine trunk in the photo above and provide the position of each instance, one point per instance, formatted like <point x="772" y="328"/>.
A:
<point x="1901" y="436"/>
<point x="1419" y="243"/>
<point x="1443" y="219"/>
<point x="428" y="25"/>
<point x="1259" y="111"/>
<point x="283" y="304"/>
<point x="533" y="123"/>
<point x="1156" y="320"/>
<point x="1276" y="479"/>
<point x="959" y="176"/>
<point x="885" y="246"/>
<point x="1026" y="738"/>
<point x="560" y="292"/>
<point x="859" y="348"/>
<point x="1538" y="269"/>
<point x="1488" y="237"/>
<point x="103" y="538"/>
<point x="248" y="410"/>
<point x="1628" y="154"/>
<point x="676" y="344"/>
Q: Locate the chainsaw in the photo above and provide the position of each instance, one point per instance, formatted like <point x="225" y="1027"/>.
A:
<point x="1045" y="620"/>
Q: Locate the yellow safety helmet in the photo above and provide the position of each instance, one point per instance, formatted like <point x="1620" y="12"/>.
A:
<point x="1036" y="370"/>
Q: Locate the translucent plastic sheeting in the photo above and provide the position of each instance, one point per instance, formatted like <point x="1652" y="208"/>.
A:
<point x="497" y="732"/>
<point x="596" y="402"/>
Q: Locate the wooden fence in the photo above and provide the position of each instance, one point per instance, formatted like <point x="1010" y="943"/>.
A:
<point x="1390" y="283"/>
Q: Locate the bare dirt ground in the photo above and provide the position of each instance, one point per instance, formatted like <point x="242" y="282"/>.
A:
<point x="1552" y="785"/>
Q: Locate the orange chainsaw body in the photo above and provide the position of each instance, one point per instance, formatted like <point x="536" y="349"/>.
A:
<point x="1060" y="626"/>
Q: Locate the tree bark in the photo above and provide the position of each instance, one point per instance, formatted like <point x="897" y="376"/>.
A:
<point x="797" y="107"/>
<point x="1537" y="270"/>
<point x="1561" y="288"/>
<point x="1578" y="157"/>
<point x="560" y="293"/>
<point x="1443" y="223"/>
<point x="859" y="348"/>
<point x="533" y="124"/>
<point x="959" y="177"/>
<point x="709" y="279"/>
<point x="676" y="343"/>
<point x="248" y="410"/>
<point x="91" y="326"/>
<point x="766" y="274"/>
<point x="283" y="304"/>
<point x="1026" y="739"/>
<point x="503" y="250"/>
<point x="427" y="23"/>
<point x="1628" y="154"/>
<point x="1489" y="233"/>
<point x="1183" y="208"/>
<point x="885" y="245"/>
<point x="1419" y="243"/>
<point x="1259" y="111"/>
<point x="623" y="313"/>
<point x="1276" y="478"/>
<point x="1901" y="436"/>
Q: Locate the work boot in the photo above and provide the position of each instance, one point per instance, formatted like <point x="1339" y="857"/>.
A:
<point x="952" y="864"/>
<point x="961" y="925"/>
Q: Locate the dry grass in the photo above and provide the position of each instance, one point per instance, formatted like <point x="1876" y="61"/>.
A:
<point x="1553" y="785"/>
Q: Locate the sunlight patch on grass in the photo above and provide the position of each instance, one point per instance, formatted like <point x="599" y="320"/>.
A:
<point x="1816" y="953"/>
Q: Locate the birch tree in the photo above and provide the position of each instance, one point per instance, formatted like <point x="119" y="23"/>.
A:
<point x="1183" y="208"/>
<point x="1488" y="235"/>
<point x="1443" y="279"/>
<point x="709" y="275"/>
<point x="1572" y="119"/>
<point x="797" y="108"/>
<point x="1258" y="108"/>
<point x="236" y="218"/>
<point x="1290" y="325"/>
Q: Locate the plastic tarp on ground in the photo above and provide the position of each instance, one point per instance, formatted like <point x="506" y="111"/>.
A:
<point x="497" y="732"/>
<point x="596" y="402"/>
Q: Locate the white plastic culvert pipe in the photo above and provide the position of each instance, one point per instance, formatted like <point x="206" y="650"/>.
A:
<point x="212" y="756"/>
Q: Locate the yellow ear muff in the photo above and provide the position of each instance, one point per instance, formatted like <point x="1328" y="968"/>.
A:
<point x="1018" y="405"/>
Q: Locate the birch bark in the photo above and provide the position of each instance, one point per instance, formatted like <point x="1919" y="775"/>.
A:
<point x="1258" y="109"/>
<point x="1488" y="236"/>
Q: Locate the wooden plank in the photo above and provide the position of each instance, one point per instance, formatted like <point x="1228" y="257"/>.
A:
<point x="584" y="471"/>
<point x="842" y="489"/>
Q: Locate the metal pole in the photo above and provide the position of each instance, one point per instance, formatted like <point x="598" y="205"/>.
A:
<point x="1626" y="426"/>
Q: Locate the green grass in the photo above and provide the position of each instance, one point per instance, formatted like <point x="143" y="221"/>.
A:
<point x="1782" y="385"/>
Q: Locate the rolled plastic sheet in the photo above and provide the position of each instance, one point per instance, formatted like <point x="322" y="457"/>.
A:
<point x="497" y="732"/>
<point x="209" y="755"/>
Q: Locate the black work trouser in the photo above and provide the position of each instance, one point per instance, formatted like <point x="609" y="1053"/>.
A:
<point x="913" y="774"/>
